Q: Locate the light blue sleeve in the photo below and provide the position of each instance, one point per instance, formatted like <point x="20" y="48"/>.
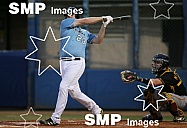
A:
<point x="90" y="38"/>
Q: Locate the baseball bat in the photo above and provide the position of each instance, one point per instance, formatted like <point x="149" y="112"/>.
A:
<point x="127" y="17"/>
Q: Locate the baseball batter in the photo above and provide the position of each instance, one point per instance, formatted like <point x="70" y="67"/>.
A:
<point x="72" y="63"/>
<point x="174" y="90"/>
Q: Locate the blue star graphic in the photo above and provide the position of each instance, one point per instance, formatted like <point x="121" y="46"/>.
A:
<point x="150" y="104"/>
<point x="36" y="49"/>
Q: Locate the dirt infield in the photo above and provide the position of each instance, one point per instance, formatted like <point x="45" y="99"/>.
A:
<point x="68" y="120"/>
<point x="80" y="124"/>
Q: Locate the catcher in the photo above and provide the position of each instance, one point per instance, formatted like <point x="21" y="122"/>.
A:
<point x="174" y="90"/>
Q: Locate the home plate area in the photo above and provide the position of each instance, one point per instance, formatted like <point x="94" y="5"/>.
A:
<point x="81" y="124"/>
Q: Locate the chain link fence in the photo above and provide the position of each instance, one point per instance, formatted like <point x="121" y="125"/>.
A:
<point x="161" y="31"/>
<point x="160" y="35"/>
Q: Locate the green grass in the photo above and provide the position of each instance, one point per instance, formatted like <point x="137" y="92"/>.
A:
<point x="16" y="117"/>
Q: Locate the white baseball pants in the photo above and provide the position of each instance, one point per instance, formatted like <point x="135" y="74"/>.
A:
<point x="71" y="73"/>
<point x="181" y="101"/>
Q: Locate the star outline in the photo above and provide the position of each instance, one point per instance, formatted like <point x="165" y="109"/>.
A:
<point x="36" y="49"/>
<point x="25" y="123"/>
<point x="143" y="100"/>
<point x="63" y="49"/>
<point x="155" y="17"/>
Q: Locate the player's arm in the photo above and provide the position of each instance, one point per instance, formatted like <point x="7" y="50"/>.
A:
<point x="88" y="20"/>
<point x="155" y="81"/>
<point x="100" y="36"/>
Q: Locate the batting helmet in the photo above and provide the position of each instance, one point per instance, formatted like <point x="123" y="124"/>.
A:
<point x="72" y="12"/>
<point x="160" y="61"/>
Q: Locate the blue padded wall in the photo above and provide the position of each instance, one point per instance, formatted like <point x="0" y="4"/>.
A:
<point x="103" y="86"/>
<point x="107" y="89"/>
<point x="13" y="79"/>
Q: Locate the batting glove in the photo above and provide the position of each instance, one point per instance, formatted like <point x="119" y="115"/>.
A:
<point x="107" y="20"/>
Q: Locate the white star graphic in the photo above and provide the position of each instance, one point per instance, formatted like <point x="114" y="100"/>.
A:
<point x="36" y="49"/>
<point x="150" y="104"/>
<point x="31" y="124"/>
<point x="167" y="3"/>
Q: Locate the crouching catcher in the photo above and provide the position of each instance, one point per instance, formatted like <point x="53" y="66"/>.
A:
<point x="174" y="90"/>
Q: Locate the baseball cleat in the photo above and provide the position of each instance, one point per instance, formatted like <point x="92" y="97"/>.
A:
<point x="101" y="112"/>
<point x="179" y="119"/>
<point x="149" y="117"/>
<point x="49" y="122"/>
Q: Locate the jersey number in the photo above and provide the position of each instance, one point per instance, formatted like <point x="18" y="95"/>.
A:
<point x="81" y="39"/>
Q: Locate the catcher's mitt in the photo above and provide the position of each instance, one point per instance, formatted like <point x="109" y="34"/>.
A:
<point x="128" y="76"/>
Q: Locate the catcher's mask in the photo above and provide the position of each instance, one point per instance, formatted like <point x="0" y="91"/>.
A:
<point x="70" y="11"/>
<point x="159" y="62"/>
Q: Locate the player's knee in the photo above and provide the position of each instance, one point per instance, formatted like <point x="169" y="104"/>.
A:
<point x="74" y="94"/>
<point x="63" y="88"/>
<point x="166" y="95"/>
<point x="63" y="85"/>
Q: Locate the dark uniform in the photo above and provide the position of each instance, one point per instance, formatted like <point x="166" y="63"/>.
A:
<point x="174" y="90"/>
<point x="172" y="82"/>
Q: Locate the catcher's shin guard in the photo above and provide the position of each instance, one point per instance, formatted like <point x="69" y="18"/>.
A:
<point x="172" y="107"/>
<point x="154" y="115"/>
<point x="149" y="98"/>
<point x="175" y="111"/>
<point x="149" y="95"/>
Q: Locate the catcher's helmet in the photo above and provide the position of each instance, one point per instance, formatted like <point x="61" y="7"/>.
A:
<point x="160" y="61"/>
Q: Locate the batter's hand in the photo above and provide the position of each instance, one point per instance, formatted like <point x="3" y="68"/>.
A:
<point x="108" y="18"/>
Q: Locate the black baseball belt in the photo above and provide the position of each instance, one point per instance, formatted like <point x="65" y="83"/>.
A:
<point x="70" y="58"/>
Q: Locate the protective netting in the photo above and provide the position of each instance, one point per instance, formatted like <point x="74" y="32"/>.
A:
<point x="159" y="35"/>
